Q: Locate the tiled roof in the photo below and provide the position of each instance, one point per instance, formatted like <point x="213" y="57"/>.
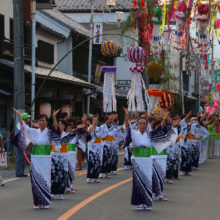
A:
<point x="80" y="5"/>
<point x="56" y="75"/>
<point x="65" y="21"/>
<point x="118" y="93"/>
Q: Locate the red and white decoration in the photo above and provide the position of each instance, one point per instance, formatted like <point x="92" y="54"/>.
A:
<point x="136" y="54"/>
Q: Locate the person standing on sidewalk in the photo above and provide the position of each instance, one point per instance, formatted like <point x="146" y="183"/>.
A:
<point x="2" y="151"/>
<point x="19" y="156"/>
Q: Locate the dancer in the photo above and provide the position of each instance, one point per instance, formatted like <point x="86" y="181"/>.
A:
<point x="40" y="168"/>
<point x="141" y="160"/>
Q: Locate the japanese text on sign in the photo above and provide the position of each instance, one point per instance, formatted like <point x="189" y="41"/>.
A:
<point x="97" y="31"/>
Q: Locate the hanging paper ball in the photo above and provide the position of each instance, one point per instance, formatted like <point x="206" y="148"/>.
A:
<point x="109" y="48"/>
<point x="154" y="70"/>
<point x="203" y="9"/>
<point x="157" y="12"/>
<point x="218" y="86"/>
<point x="136" y="54"/>
<point x="166" y="100"/>
<point x="136" y="69"/>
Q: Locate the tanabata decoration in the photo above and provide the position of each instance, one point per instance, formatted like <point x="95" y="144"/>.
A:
<point x="135" y="4"/>
<point x="136" y="54"/>
<point x="159" y="110"/>
<point x="166" y="100"/>
<point x="215" y="106"/>
<point x="157" y="42"/>
<point x="135" y="92"/>
<point x="218" y="86"/>
<point x="109" y="100"/>
<point x="109" y="48"/>
<point x="203" y="9"/>
<point x="154" y="70"/>
<point x="179" y="16"/>
<point x="154" y="95"/>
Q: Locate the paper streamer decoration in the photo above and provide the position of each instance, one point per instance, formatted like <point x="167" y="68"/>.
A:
<point x="135" y="92"/>
<point x="154" y="95"/>
<point x="166" y="100"/>
<point x="109" y="100"/>
<point x="109" y="48"/>
<point x="154" y="70"/>
<point x="136" y="54"/>
<point x="142" y="4"/>
<point x="157" y="42"/>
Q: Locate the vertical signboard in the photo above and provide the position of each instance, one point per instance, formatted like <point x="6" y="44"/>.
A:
<point x="97" y="31"/>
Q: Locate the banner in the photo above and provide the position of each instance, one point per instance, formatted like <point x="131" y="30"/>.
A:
<point x="97" y="31"/>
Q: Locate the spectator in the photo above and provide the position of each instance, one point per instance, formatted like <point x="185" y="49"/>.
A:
<point x="19" y="156"/>
<point x="2" y="150"/>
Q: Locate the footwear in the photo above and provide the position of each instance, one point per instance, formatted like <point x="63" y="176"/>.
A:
<point x="72" y="187"/>
<point x="61" y="197"/>
<point x="100" y="175"/>
<point x="19" y="175"/>
<point x="107" y="177"/>
<point x="195" y="168"/>
<point x="140" y="207"/>
<point x="89" y="180"/>
<point x="148" y="208"/>
<point x="24" y="175"/>
<point x="113" y="173"/>
<point x="83" y="165"/>
<point x="96" y="181"/>
<point x="2" y="184"/>
<point x="162" y="198"/>
<point x="77" y="168"/>
<point x="125" y="167"/>
<point x="182" y="174"/>
<point x="68" y="190"/>
<point x="168" y="181"/>
<point x="52" y="196"/>
<point x="37" y="206"/>
<point x="46" y="206"/>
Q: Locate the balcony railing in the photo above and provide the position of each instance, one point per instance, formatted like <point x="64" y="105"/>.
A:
<point x="7" y="46"/>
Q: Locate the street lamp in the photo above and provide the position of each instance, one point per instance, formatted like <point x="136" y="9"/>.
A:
<point x="119" y="16"/>
<point x="110" y="3"/>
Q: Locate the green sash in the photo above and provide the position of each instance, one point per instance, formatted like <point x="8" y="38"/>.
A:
<point x="141" y="152"/>
<point x="72" y="147"/>
<point x="154" y="151"/>
<point x="41" y="150"/>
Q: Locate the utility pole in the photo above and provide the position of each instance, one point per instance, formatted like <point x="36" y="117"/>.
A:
<point x="19" y="84"/>
<point x="33" y="33"/>
<point x="90" y="56"/>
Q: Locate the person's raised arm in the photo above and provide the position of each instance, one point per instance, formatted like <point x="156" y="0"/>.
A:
<point x="165" y="117"/>
<point x="18" y="112"/>
<point x="55" y="119"/>
<point x="126" y="118"/>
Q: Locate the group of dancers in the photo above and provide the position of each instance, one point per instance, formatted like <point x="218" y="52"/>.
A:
<point x="153" y="147"/>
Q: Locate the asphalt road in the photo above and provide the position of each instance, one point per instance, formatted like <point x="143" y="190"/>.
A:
<point x="193" y="197"/>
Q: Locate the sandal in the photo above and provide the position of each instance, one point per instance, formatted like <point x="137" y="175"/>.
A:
<point x="89" y="180"/>
<point x="52" y="196"/>
<point x="140" y="207"/>
<point x="113" y="173"/>
<point x="169" y="181"/>
<point x="46" y="206"/>
<point x="96" y="181"/>
<point x="107" y="177"/>
<point x="77" y="168"/>
<point x="148" y="208"/>
<point x="37" y="207"/>
<point x="162" y="199"/>
<point x="100" y="175"/>
<point x="61" y="197"/>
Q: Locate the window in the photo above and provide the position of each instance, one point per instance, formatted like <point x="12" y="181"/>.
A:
<point x="2" y="26"/>
<point x="45" y="52"/>
<point x="11" y="29"/>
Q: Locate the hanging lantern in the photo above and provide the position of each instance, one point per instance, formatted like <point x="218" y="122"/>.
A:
<point x="154" y="95"/>
<point x="109" y="48"/>
<point x="135" y="92"/>
<point x="109" y="100"/>
<point x="136" y="54"/>
<point x="154" y="70"/>
<point x="203" y="9"/>
<point x="68" y="109"/>
<point x="45" y="108"/>
<point x="166" y="100"/>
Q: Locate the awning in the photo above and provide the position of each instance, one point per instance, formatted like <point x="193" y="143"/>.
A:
<point x="42" y="72"/>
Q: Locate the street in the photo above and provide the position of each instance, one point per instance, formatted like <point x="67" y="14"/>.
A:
<point x="191" y="197"/>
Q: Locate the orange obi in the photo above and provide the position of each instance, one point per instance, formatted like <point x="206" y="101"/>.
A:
<point x="195" y="139"/>
<point x="98" y="140"/>
<point x="63" y="149"/>
<point x="109" y="138"/>
<point x="189" y="136"/>
<point x="180" y="138"/>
